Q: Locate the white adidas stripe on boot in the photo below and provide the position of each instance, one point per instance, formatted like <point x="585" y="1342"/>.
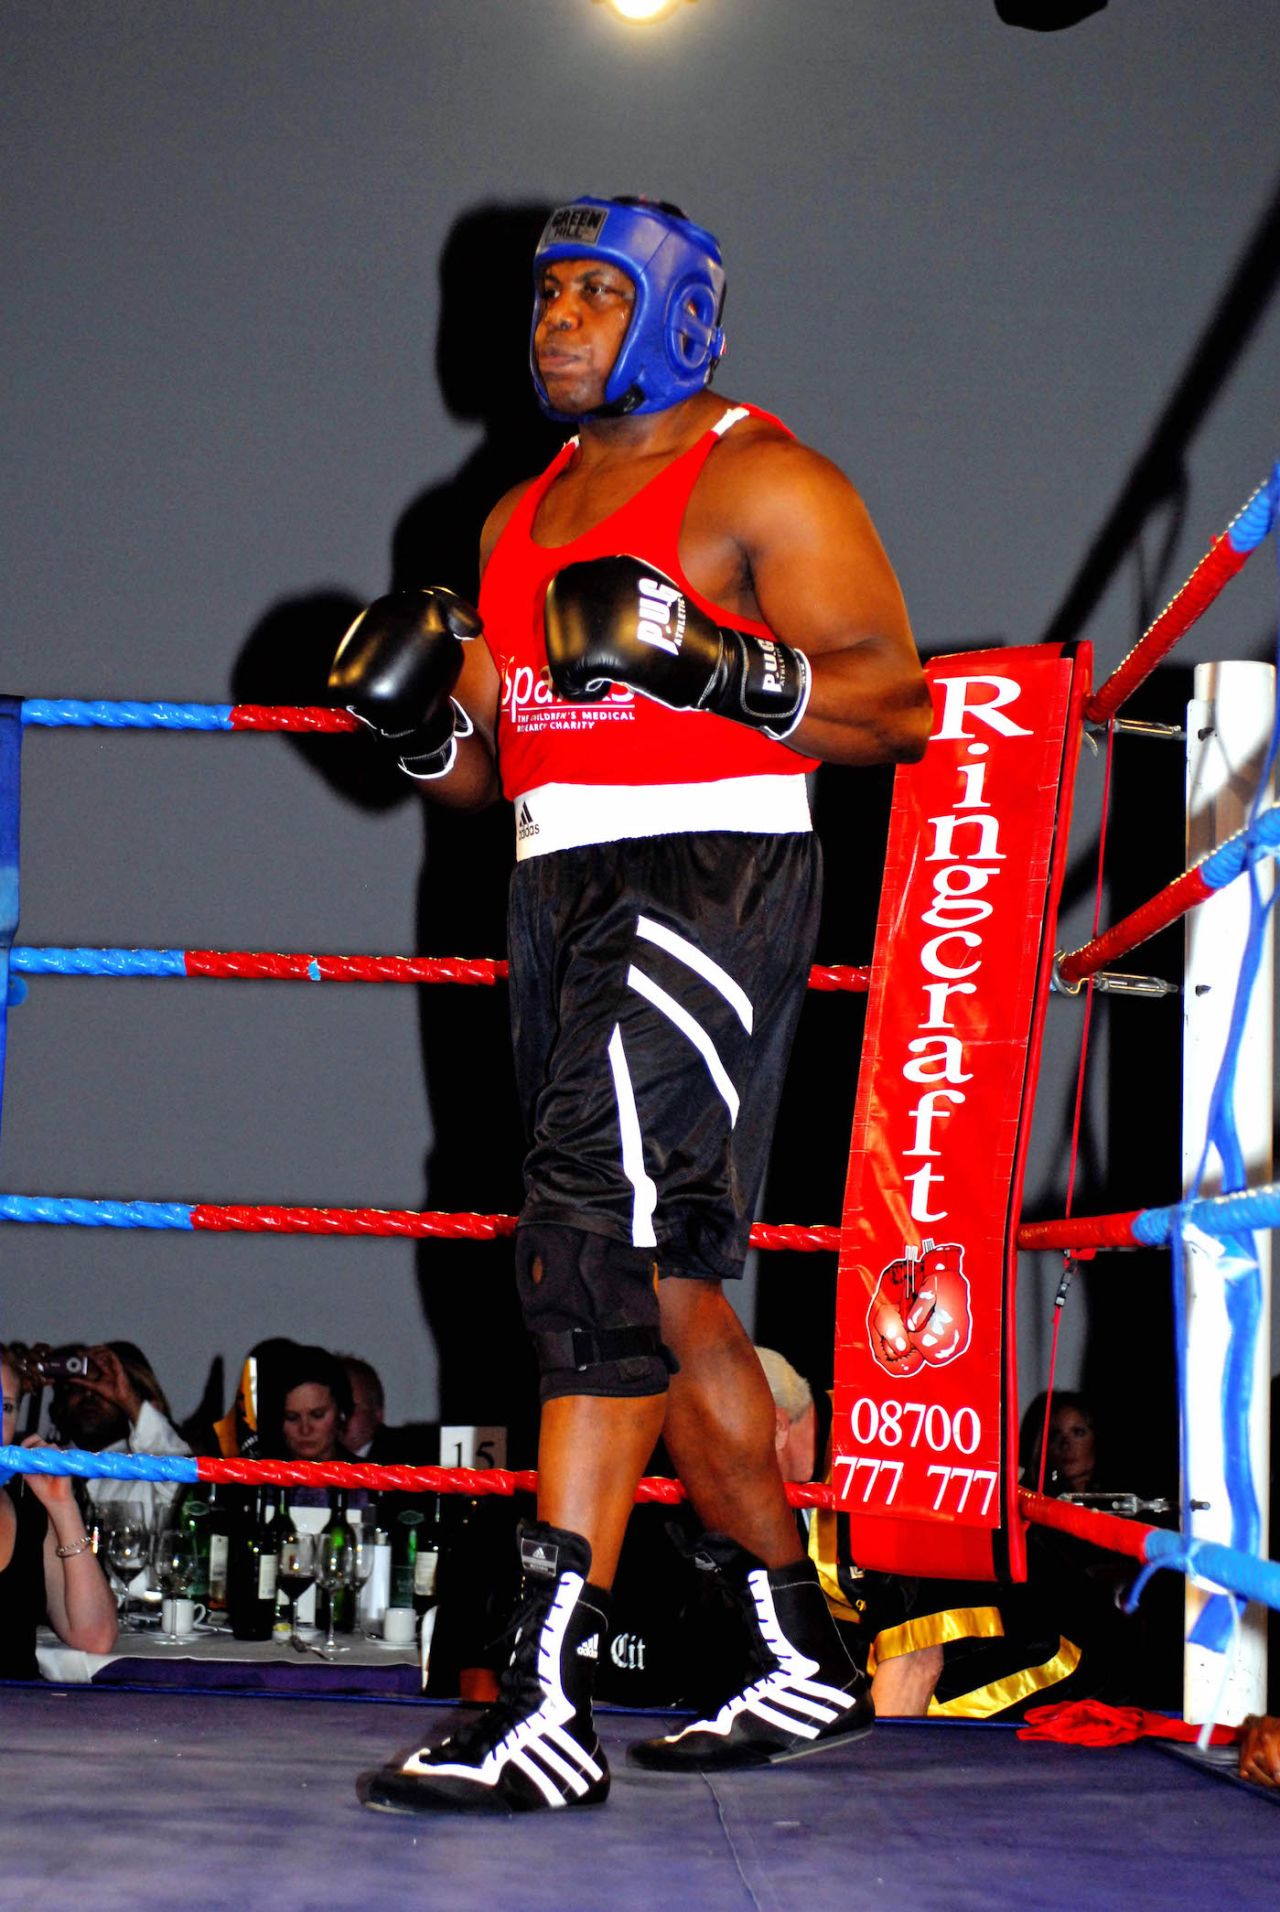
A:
<point x="801" y="1694"/>
<point x="535" y="1749"/>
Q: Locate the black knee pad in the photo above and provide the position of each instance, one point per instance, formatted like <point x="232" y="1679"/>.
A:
<point x="591" y="1306"/>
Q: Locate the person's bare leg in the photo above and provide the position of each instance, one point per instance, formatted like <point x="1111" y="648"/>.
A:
<point x="902" y="1687"/>
<point x="592" y="1449"/>
<point x="797" y="1687"/>
<point x="719" y="1423"/>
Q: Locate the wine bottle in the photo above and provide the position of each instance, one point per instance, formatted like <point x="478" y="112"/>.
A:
<point x="404" y="1555"/>
<point x="218" y="1524"/>
<point x="426" y="1564"/>
<point x="251" y="1575"/>
<point x="341" y="1598"/>
<point x="193" y="1515"/>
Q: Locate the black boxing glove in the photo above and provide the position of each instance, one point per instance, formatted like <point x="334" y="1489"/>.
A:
<point x="620" y="621"/>
<point x="396" y="668"/>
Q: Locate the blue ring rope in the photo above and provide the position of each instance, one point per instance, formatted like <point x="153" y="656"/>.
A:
<point x="1245" y="1574"/>
<point x="1216" y="1214"/>
<point x="1240" y="852"/>
<point x="10" y="831"/>
<point x="65" y="1211"/>
<point x="29" y="961"/>
<point x="81" y="1465"/>
<point x="1256" y="518"/>
<point x="85" y="713"/>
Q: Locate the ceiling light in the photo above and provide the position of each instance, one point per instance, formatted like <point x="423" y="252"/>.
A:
<point x="641" y="12"/>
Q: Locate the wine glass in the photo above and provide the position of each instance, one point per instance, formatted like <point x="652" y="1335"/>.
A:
<point x="361" y="1543"/>
<point x="334" y="1574"/>
<point x="128" y="1545"/>
<point x="346" y="1561"/>
<point x="174" y="1561"/>
<point x="294" y="1574"/>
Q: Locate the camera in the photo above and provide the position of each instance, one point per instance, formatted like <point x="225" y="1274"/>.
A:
<point x="45" y="1366"/>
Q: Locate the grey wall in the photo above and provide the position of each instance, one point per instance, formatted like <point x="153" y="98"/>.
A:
<point x="977" y="266"/>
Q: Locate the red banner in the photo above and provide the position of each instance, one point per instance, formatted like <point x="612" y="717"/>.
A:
<point x="924" y="1436"/>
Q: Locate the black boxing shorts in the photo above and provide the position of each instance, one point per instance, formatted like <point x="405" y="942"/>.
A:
<point x="655" y="987"/>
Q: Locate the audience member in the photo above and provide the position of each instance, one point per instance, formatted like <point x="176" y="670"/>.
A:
<point x="47" y="1565"/>
<point x="366" y="1423"/>
<point x="119" y="1407"/>
<point x="314" y="1406"/>
<point x="304" y="1405"/>
<point x="1137" y="1657"/>
<point x="1073" y="1447"/>
<point x="368" y="1435"/>
<point x="1073" y="1453"/>
<point x="796" y="1417"/>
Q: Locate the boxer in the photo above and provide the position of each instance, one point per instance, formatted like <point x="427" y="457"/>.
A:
<point x="679" y="618"/>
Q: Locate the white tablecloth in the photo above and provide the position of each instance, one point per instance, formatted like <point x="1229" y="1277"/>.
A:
<point x="69" y="1666"/>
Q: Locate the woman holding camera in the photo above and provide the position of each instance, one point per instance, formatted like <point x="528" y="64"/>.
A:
<point x="113" y="1404"/>
<point x="47" y="1565"/>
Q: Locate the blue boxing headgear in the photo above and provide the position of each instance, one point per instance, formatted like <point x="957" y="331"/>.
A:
<point x="674" y="341"/>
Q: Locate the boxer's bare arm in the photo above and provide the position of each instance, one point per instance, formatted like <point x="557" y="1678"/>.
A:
<point x="815" y="571"/>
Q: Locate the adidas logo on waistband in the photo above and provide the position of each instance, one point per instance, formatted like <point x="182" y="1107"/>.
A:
<point x="525" y="825"/>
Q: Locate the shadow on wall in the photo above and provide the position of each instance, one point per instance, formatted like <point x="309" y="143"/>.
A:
<point x="467" y="1290"/>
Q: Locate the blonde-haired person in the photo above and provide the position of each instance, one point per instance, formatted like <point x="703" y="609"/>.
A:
<point x="47" y="1565"/>
<point x="795" y="1432"/>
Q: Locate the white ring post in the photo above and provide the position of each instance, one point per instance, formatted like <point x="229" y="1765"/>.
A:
<point x="1228" y="729"/>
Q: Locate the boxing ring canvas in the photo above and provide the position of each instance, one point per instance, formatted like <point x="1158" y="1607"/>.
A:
<point x="247" y="1803"/>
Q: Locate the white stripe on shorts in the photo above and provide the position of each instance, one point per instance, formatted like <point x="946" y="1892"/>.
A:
<point x="688" y="1026"/>
<point x="689" y="953"/>
<point x="646" y="1193"/>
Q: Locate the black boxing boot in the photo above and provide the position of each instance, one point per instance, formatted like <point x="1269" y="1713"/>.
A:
<point x="800" y="1692"/>
<point x="535" y="1748"/>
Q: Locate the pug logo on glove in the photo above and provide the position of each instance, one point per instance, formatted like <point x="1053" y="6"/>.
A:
<point x="919" y="1314"/>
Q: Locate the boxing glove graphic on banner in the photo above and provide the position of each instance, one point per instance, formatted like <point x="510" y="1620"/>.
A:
<point x="892" y="1302"/>
<point x="919" y="1314"/>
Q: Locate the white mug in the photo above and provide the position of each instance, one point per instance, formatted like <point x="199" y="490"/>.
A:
<point x="179" y="1618"/>
<point x="400" y="1626"/>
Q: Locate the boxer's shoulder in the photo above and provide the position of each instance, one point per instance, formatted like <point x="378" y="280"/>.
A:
<point x="756" y="494"/>
<point x="758" y="449"/>
<point x="500" y="517"/>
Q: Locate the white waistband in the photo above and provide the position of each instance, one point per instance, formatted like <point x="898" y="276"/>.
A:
<point x="562" y="816"/>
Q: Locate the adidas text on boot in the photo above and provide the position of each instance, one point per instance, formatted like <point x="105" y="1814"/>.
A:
<point x="801" y="1692"/>
<point x="535" y="1749"/>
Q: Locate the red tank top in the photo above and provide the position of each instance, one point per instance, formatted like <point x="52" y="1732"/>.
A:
<point x="626" y="738"/>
